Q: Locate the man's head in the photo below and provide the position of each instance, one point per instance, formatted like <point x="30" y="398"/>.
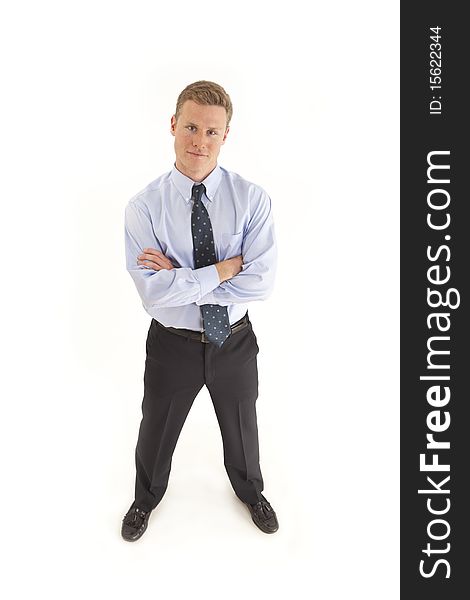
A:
<point x="200" y="125"/>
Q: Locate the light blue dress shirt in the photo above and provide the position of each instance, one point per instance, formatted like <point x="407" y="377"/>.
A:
<point x="242" y="223"/>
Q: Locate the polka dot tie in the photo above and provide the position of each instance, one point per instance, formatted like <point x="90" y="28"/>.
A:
<point x="214" y="317"/>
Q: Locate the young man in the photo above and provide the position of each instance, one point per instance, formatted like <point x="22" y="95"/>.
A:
<point x="200" y="245"/>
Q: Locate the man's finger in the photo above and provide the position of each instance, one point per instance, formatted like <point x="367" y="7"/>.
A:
<point x="154" y="262"/>
<point x="151" y="265"/>
<point x="156" y="257"/>
<point x="152" y="254"/>
<point x="159" y="258"/>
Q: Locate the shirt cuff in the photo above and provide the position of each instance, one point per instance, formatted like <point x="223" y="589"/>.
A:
<point x="208" y="278"/>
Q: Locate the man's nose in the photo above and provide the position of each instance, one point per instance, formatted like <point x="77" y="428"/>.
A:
<point x="198" y="140"/>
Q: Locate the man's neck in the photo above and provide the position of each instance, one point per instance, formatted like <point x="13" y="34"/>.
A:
<point x="196" y="176"/>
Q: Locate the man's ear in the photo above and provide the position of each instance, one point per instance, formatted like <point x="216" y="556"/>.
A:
<point x="173" y="125"/>
<point x="227" y="129"/>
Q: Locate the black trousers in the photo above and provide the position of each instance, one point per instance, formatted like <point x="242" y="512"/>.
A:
<point x="176" y="368"/>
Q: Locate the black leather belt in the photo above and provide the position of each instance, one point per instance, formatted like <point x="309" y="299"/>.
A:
<point x="200" y="336"/>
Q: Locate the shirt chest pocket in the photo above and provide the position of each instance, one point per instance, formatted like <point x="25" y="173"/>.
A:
<point x="231" y="245"/>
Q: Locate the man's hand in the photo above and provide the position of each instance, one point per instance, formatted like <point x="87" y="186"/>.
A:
<point x="153" y="259"/>
<point x="229" y="268"/>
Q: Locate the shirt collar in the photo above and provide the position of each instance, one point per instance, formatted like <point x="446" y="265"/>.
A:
<point x="184" y="184"/>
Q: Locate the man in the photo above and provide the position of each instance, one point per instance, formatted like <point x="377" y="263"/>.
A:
<point x="200" y="245"/>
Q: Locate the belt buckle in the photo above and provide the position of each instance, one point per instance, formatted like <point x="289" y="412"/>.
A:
<point x="204" y="337"/>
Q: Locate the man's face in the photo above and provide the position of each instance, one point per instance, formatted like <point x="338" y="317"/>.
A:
<point x="199" y="133"/>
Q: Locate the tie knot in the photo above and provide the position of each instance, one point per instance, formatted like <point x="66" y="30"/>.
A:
<point x="198" y="190"/>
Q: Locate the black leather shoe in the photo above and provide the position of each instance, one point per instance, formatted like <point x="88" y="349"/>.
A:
<point x="134" y="524"/>
<point x="263" y="516"/>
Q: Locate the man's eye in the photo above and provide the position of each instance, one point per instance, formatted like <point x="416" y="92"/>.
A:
<point x="191" y="127"/>
<point x="213" y="132"/>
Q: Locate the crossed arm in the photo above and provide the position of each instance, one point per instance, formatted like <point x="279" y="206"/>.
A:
<point x="243" y="278"/>
<point x="156" y="260"/>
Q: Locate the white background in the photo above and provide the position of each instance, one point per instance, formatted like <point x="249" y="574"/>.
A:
<point x="88" y="92"/>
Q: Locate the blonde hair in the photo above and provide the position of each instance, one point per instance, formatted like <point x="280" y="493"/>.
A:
<point x="208" y="93"/>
